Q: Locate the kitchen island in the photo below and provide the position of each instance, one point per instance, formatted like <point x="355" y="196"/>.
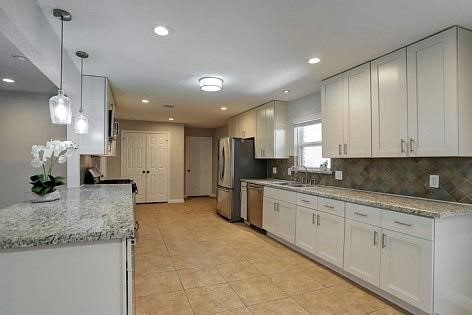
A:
<point x="70" y="256"/>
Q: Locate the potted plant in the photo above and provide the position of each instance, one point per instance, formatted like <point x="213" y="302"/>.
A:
<point x="47" y="157"/>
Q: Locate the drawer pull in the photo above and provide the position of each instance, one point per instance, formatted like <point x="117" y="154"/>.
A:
<point x="305" y="201"/>
<point x="401" y="223"/>
<point x="361" y="214"/>
<point x="329" y="207"/>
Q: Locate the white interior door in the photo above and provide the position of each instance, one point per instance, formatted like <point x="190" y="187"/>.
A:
<point x="133" y="161"/>
<point x="157" y="167"/>
<point x="198" y="161"/>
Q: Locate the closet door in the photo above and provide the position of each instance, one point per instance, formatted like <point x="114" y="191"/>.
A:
<point x="157" y="166"/>
<point x="389" y="105"/>
<point x="133" y="161"/>
<point x="432" y="96"/>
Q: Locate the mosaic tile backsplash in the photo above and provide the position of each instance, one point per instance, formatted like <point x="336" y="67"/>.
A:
<point x="403" y="176"/>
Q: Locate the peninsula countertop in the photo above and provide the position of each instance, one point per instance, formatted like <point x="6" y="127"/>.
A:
<point x="87" y="213"/>
<point x="411" y="205"/>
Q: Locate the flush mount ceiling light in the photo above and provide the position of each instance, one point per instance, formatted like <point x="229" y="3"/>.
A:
<point x="81" y="121"/>
<point x="162" y="30"/>
<point x="8" y="80"/>
<point x="59" y="105"/>
<point x="210" y="84"/>
<point x="314" y="60"/>
<point x="171" y="112"/>
<point x="223" y="108"/>
<point x="144" y="101"/>
<point x="286" y="91"/>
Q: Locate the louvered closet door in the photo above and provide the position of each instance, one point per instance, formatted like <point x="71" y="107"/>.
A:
<point x="157" y="164"/>
<point x="133" y="161"/>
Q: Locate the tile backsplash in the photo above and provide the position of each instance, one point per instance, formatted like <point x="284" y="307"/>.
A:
<point x="404" y="176"/>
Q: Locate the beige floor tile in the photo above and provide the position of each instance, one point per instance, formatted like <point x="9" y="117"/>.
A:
<point x="157" y="283"/>
<point x="257" y="290"/>
<point x="153" y="264"/>
<point x="236" y="311"/>
<point x="345" y="299"/>
<point x="389" y="311"/>
<point x="272" y="267"/>
<point x="238" y="271"/>
<point x="166" y="303"/>
<point x="278" y="307"/>
<point x="295" y="282"/>
<point x="213" y="299"/>
<point x="199" y="277"/>
<point x="324" y="276"/>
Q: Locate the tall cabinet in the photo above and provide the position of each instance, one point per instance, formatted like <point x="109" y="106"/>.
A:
<point x="272" y="131"/>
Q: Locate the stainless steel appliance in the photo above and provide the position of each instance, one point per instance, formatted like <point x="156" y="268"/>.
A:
<point x="254" y="204"/>
<point x="235" y="161"/>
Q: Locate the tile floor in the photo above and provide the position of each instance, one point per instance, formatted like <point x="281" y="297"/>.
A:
<point x="191" y="261"/>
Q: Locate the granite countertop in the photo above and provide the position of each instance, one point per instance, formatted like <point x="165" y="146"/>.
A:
<point x="411" y="205"/>
<point x="88" y="213"/>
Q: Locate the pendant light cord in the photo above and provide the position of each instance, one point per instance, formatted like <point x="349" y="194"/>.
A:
<point x="81" y="80"/>
<point x="62" y="45"/>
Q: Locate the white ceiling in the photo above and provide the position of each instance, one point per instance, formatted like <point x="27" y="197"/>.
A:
<point x="27" y="77"/>
<point x="258" y="47"/>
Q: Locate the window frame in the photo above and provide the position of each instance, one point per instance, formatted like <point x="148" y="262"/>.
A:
<point x="299" y="146"/>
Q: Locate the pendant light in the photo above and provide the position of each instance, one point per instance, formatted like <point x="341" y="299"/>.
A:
<point x="81" y="120"/>
<point x="59" y="105"/>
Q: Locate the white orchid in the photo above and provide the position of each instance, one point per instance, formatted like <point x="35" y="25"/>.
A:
<point x="55" y="151"/>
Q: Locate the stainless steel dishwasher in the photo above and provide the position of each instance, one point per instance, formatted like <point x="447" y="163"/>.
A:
<point x="254" y="204"/>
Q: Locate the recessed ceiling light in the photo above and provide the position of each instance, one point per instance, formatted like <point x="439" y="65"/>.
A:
<point x="171" y="118"/>
<point x="223" y="108"/>
<point x="8" y="80"/>
<point x="162" y="30"/>
<point x="144" y="101"/>
<point x="286" y="91"/>
<point x="211" y="84"/>
<point x="314" y="60"/>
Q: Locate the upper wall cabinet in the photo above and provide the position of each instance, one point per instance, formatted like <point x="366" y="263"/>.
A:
<point x="243" y="126"/>
<point x="346" y="112"/>
<point x="389" y="105"/>
<point x="99" y="105"/>
<point x="271" y="131"/>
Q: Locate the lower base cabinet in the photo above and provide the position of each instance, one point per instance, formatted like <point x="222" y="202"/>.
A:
<point x="305" y="237"/>
<point x="279" y="218"/>
<point x="330" y="238"/>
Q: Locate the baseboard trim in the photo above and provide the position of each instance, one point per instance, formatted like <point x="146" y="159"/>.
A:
<point x="175" y="201"/>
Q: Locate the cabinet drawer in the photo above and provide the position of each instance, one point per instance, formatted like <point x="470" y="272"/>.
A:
<point x="408" y="224"/>
<point x="364" y="214"/>
<point x="280" y="194"/>
<point x="308" y="201"/>
<point x="331" y="206"/>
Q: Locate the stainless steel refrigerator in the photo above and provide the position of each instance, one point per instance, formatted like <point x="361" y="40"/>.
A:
<point x="235" y="161"/>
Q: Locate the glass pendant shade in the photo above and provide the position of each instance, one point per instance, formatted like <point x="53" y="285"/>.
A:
<point x="81" y="124"/>
<point x="59" y="108"/>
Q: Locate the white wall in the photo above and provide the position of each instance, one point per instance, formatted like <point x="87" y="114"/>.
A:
<point x="24" y="121"/>
<point x="177" y="147"/>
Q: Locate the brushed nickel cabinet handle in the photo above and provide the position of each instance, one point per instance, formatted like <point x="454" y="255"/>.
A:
<point x="313" y="218"/>
<point x="402" y="146"/>
<point x="384" y="240"/>
<point x="305" y="201"/>
<point x="340" y="149"/>
<point x="328" y="206"/>
<point x="318" y="220"/>
<point x="345" y="148"/>
<point x="375" y="238"/>
<point x="361" y="214"/>
<point x="411" y="145"/>
<point x="402" y="223"/>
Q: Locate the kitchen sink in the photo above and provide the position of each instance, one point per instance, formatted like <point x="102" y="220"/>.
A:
<point x="292" y="184"/>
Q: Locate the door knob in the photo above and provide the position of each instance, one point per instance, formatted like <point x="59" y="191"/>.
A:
<point x="147" y="172"/>
<point x="144" y="172"/>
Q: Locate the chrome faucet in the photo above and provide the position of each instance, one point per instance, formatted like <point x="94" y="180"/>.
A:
<point x="306" y="174"/>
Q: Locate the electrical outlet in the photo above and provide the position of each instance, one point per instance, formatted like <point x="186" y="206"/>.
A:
<point x="274" y="170"/>
<point x="338" y="175"/>
<point x="434" y="181"/>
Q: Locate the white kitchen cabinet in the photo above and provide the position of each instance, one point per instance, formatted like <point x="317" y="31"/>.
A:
<point x="406" y="269"/>
<point x="247" y="124"/>
<point x="244" y="201"/>
<point x="362" y="251"/>
<point x="269" y="215"/>
<point x="286" y="221"/>
<point x="305" y="237"/>
<point x="346" y="114"/>
<point x="271" y="141"/>
<point x="330" y="238"/>
<point x="389" y="105"/>
<point x="99" y="105"/>
<point x="233" y="127"/>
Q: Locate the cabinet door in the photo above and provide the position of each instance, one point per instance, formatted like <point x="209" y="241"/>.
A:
<point x="286" y="216"/>
<point x="362" y="251"/>
<point x="432" y="96"/>
<point x="244" y="203"/>
<point x="389" y="105"/>
<point x="357" y="113"/>
<point x="269" y="130"/>
<point x="260" y="132"/>
<point x="406" y="268"/>
<point x="332" y="109"/>
<point x="269" y="215"/>
<point x="248" y="125"/>
<point x="232" y="128"/>
<point x="306" y="229"/>
<point x="330" y="238"/>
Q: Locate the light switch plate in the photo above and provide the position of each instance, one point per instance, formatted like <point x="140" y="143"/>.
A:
<point x="274" y="170"/>
<point x="434" y="181"/>
<point x="338" y="175"/>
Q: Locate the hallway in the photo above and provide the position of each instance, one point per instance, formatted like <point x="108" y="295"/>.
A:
<point x="191" y="261"/>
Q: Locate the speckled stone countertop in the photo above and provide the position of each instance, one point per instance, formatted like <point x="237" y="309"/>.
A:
<point x="417" y="206"/>
<point x="88" y="213"/>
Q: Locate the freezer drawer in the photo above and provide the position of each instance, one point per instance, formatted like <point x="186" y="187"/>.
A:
<point x="224" y="201"/>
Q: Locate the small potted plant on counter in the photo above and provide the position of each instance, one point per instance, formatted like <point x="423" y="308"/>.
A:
<point x="46" y="157"/>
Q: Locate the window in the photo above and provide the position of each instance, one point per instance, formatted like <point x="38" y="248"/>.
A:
<point x="308" y="145"/>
